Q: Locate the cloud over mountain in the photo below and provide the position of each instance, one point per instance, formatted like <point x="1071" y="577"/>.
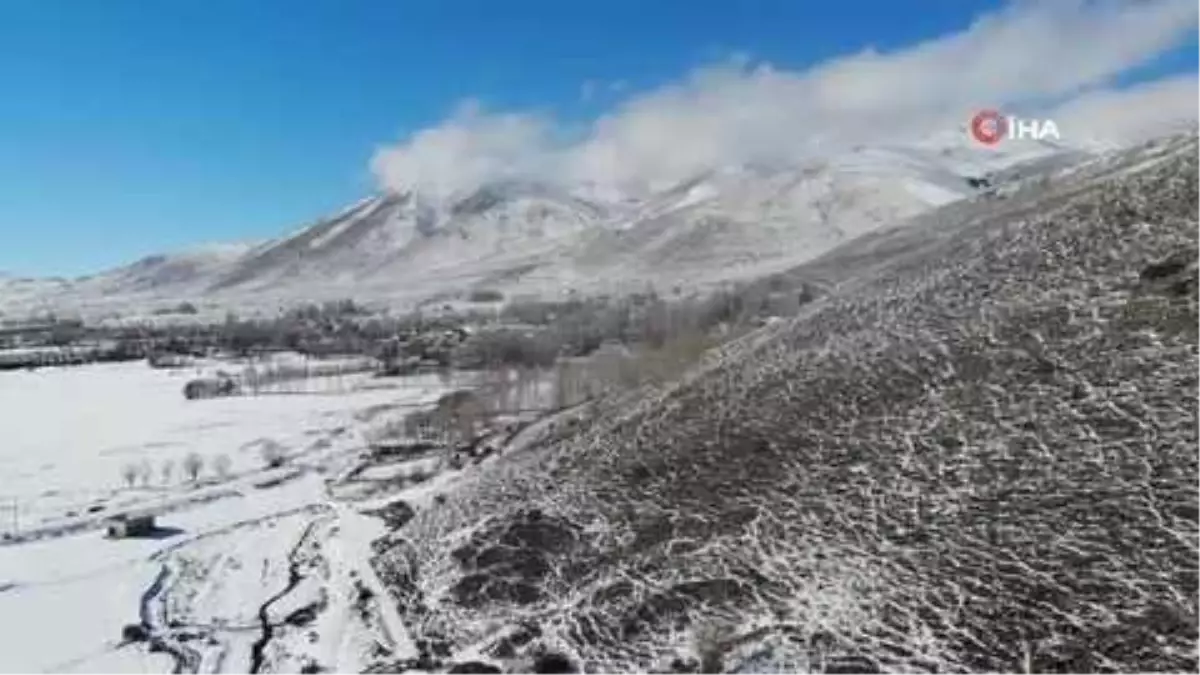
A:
<point x="468" y="149"/>
<point x="1029" y="55"/>
<point x="1133" y="114"/>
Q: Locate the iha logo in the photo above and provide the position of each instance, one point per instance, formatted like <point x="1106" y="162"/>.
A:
<point x="989" y="127"/>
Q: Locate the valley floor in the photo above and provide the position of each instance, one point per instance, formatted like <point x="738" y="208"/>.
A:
<point x="250" y="569"/>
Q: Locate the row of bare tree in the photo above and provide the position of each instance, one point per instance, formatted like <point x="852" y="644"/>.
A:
<point x="192" y="466"/>
<point x="459" y="417"/>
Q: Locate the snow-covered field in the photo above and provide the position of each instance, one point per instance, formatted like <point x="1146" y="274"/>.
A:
<point x="251" y="567"/>
<point x="71" y="433"/>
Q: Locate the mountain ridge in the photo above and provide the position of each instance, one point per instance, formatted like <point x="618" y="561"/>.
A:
<point x="531" y="238"/>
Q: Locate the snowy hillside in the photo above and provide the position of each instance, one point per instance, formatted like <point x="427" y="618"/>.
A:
<point x="726" y="223"/>
<point x="977" y="455"/>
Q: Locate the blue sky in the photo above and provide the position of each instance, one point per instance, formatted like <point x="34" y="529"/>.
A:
<point x="130" y="127"/>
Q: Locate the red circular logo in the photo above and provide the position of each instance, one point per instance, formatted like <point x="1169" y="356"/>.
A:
<point x="988" y="127"/>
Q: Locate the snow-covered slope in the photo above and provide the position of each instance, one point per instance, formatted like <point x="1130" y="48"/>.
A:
<point x="184" y="271"/>
<point x="728" y="222"/>
<point x="976" y="455"/>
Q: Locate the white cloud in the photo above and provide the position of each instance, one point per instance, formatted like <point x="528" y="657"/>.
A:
<point x="470" y="148"/>
<point x="1131" y="115"/>
<point x="1030" y="53"/>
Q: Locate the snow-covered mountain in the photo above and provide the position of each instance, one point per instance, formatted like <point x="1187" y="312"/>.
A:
<point x="191" y="270"/>
<point x="521" y="237"/>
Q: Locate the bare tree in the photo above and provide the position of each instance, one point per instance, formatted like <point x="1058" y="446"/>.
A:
<point x="167" y="470"/>
<point x="510" y="395"/>
<point x="193" y="464"/>
<point x="146" y="472"/>
<point x="222" y="465"/>
<point x="494" y="390"/>
<point x="458" y="414"/>
<point x="527" y="386"/>
<point x="464" y="422"/>
<point x="564" y="384"/>
<point x="129" y="474"/>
